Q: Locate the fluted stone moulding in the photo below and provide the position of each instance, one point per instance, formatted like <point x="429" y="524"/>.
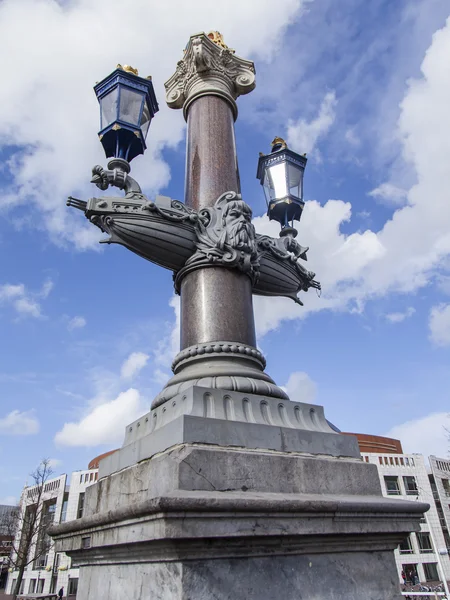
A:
<point x="209" y="69"/>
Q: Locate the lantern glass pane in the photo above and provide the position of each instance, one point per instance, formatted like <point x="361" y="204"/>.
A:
<point x="276" y="180"/>
<point x="295" y="179"/>
<point x="108" y="108"/>
<point x="145" y="121"/>
<point x="130" y="106"/>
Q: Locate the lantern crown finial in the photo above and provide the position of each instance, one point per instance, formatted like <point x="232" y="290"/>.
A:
<point x="278" y="143"/>
<point x="128" y="69"/>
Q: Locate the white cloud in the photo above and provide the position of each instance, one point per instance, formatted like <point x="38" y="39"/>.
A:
<point x="24" y="302"/>
<point x="414" y="244"/>
<point x="133" y="364"/>
<point x="19" y="423"/>
<point x="10" y="500"/>
<point x="300" y="387"/>
<point x="160" y="377"/>
<point x="76" y="323"/>
<point x="303" y="135"/>
<point x="389" y="194"/>
<point x="439" y="324"/>
<point x="170" y="343"/>
<point x="54" y="463"/>
<point x="54" y="137"/>
<point x="352" y="138"/>
<point x="398" y="317"/>
<point x="103" y="424"/>
<point x="426" y="435"/>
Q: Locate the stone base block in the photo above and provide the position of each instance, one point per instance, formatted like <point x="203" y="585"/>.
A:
<point x="349" y="576"/>
<point x="203" y="522"/>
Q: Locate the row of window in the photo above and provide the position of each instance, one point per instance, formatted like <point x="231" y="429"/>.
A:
<point x="48" y="487"/>
<point x="430" y="571"/>
<point x="88" y="477"/>
<point x="393" y="488"/>
<point x="36" y="586"/>
<point x="398" y="461"/>
<point x="424" y="544"/>
<point x="443" y="466"/>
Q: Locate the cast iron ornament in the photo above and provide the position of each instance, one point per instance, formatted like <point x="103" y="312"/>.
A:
<point x="178" y="238"/>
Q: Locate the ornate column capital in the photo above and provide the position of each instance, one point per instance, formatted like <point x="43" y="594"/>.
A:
<point x="209" y="68"/>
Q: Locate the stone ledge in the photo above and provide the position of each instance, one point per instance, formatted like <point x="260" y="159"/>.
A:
<point x="188" y="429"/>
<point x="237" y="519"/>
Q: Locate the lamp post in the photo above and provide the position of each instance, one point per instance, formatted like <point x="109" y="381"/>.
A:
<point x="224" y="488"/>
<point x="209" y="242"/>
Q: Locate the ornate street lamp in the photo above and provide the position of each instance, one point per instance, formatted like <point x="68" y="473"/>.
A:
<point x="127" y="106"/>
<point x="281" y="175"/>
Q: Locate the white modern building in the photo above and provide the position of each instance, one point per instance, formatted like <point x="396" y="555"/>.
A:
<point x="60" y="502"/>
<point x="439" y="477"/>
<point x="424" y="554"/>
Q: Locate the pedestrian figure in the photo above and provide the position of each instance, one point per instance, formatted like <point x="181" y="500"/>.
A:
<point x="61" y="593"/>
<point x="404" y="577"/>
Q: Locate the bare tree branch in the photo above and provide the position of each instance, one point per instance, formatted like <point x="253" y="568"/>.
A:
<point x="28" y="525"/>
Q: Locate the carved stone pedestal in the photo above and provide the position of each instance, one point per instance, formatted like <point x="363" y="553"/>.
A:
<point x="204" y="521"/>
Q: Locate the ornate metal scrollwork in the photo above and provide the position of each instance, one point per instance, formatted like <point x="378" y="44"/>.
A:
<point x="286" y="253"/>
<point x="170" y="234"/>
<point x="225" y="237"/>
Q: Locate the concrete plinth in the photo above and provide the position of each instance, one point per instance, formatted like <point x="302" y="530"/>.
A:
<point x="208" y="522"/>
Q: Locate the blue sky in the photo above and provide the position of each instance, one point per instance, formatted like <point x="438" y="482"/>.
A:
<point x="87" y="332"/>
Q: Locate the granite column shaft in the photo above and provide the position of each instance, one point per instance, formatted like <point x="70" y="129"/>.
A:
<point x="216" y="303"/>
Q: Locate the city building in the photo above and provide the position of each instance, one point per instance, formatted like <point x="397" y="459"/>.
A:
<point x="425" y="553"/>
<point x="439" y="477"/>
<point x="60" y="502"/>
<point x="6" y="518"/>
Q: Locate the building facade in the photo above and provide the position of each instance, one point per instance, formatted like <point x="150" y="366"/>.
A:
<point x="425" y="553"/>
<point x="60" y="501"/>
<point x="6" y="518"/>
<point x="439" y="477"/>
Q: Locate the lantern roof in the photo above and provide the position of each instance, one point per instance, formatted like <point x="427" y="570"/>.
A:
<point x="128" y="76"/>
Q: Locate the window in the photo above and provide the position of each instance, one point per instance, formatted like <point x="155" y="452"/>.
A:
<point x="32" y="587"/>
<point x="64" y="507"/>
<point x="431" y="572"/>
<point x="424" y="541"/>
<point x="80" y="506"/>
<point x="40" y="586"/>
<point x="406" y="546"/>
<point x="391" y="484"/>
<point x="72" y="587"/>
<point x="446" y="486"/>
<point x="86" y="542"/>
<point x="410" y="485"/>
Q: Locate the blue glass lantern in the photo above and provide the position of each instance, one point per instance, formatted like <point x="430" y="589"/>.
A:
<point x="281" y="175"/>
<point x="127" y="106"/>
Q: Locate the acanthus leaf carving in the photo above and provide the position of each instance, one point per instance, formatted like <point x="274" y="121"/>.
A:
<point x="208" y="68"/>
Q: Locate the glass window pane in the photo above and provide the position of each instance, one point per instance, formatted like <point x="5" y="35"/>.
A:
<point x="406" y="547"/>
<point x="108" y="108"/>
<point x="410" y="485"/>
<point x="431" y="572"/>
<point x="424" y="541"/>
<point x="145" y="120"/>
<point x="277" y="180"/>
<point x="391" y="483"/>
<point x="295" y="176"/>
<point x="130" y="106"/>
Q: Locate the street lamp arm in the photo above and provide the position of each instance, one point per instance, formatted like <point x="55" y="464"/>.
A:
<point x="117" y="175"/>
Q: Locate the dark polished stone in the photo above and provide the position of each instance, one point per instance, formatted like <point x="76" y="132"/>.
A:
<point x="211" y="163"/>
<point x="216" y="304"/>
